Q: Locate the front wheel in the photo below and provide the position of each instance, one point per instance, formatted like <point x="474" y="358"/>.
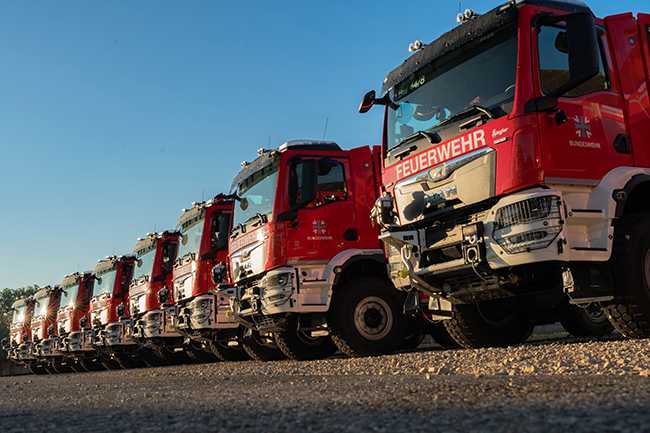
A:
<point x="228" y="353"/>
<point x="587" y="321"/>
<point x="498" y="323"/>
<point x="366" y="317"/>
<point x="629" y="265"/>
<point x="262" y="348"/>
<point x="301" y="346"/>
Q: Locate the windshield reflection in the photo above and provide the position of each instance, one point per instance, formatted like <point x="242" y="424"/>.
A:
<point x="70" y="298"/>
<point x="19" y="314"/>
<point x="105" y="282"/>
<point x="256" y="194"/>
<point x="482" y="73"/>
<point x="40" y="307"/>
<point x="190" y="239"/>
<point x="144" y="264"/>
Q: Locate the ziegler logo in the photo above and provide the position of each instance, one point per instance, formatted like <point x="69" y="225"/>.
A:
<point x="440" y="195"/>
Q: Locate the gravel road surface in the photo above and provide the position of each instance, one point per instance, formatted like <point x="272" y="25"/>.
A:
<point x="548" y="386"/>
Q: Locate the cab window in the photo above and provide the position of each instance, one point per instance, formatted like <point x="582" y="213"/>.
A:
<point x="554" y="63"/>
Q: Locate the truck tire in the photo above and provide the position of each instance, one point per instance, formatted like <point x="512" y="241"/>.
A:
<point x="75" y="365"/>
<point x="199" y="355"/>
<point x="228" y="353"/>
<point x="629" y="265"/>
<point x="130" y="360"/>
<point x="262" y="348"/>
<point x="90" y="365"/>
<point x="37" y="368"/>
<point x="300" y="346"/>
<point x="366" y="317"/>
<point x="439" y="334"/>
<point x="61" y="367"/>
<point x="588" y="321"/>
<point x="109" y="363"/>
<point x="152" y="359"/>
<point x="498" y="323"/>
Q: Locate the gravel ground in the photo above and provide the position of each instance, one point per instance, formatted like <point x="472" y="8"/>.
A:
<point x="543" y="386"/>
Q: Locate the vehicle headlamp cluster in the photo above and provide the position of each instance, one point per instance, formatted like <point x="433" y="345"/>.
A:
<point x="529" y="224"/>
<point x="277" y="288"/>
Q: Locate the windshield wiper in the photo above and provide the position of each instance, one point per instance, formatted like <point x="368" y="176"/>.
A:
<point x="466" y="112"/>
<point x="261" y="218"/>
<point x="433" y="139"/>
<point x="235" y="231"/>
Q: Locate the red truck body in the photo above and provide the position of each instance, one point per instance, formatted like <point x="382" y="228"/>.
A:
<point x="514" y="160"/>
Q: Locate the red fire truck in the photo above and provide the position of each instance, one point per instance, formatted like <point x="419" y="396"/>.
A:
<point x="72" y="318"/>
<point x="46" y="305"/>
<point x="202" y="316"/>
<point x="514" y="172"/>
<point x="305" y="261"/>
<point x="150" y="325"/>
<point x="17" y="344"/>
<point x="108" y="303"/>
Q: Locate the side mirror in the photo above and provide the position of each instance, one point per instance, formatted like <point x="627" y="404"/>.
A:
<point x="309" y="184"/>
<point x="582" y="45"/>
<point x="367" y="102"/>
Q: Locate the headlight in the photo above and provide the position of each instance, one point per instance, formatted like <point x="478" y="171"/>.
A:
<point x="278" y="280"/>
<point x="204" y="304"/>
<point x="527" y="211"/>
<point x="528" y="225"/>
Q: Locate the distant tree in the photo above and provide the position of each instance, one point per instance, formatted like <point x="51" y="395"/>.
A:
<point x="8" y="297"/>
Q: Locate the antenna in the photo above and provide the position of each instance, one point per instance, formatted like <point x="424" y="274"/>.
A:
<point x="325" y="132"/>
<point x="154" y="227"/>
<point x="269" y="146"/>
<point x="202" y="194"/>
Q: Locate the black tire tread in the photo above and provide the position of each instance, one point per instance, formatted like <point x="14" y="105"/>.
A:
<point x="629" y="312"/>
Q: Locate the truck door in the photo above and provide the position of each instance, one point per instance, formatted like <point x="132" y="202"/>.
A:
<point x="322" y="228"/>
<point x="593" y="138"/>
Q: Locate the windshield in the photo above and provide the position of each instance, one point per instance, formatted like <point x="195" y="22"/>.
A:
<point x="190" y="240"/>
<point x="481" y="73"/>
<point x="256" y="194"/>
<point x="144" y="264"/>
<point x="105" y="281"/>
<point x="19" y="314"/>
<point x="70" y="298"/>
<point x="40" y="307"/>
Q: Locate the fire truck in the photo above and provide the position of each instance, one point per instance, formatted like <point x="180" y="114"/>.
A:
<point x="46" y="305"/>
<point x="17" y="344"/>
<point x="307" y="268"/>
<point x="515" y="178"/>
<point x="108" y="304"/>
<point x="150" y="325"/>
<point x="203" y="317"/>
<point x="69" y="334"/>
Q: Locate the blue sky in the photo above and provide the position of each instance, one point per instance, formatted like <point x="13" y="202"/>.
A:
<point x="115" y="115"/>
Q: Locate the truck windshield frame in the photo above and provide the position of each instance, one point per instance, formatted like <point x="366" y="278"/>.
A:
<point x="41" y="305"/>
<point x="481" y="73"/>
<point x="190" y="238"/>
<point x="144" y="264"/>
<point x="19" y="314"/>
<point x="70" y="299"/>
<point x="105" y="281"/>
<point x="256" y="195"/>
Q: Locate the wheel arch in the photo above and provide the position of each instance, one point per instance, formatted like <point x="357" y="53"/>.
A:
<point x="635" y="191"/>
<point x="360" y="267"/>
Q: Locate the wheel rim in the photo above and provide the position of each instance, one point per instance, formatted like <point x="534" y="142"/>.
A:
<point x="373" y="318"/>
<point x="495" y="317"/>
<point x="594" y="313"/>
<point x="308" y="340"/>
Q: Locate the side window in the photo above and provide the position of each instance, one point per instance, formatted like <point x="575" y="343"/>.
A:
<point x="554" y="63"/>
<point x="331" y="183"/>
<point x="219" y="233"/>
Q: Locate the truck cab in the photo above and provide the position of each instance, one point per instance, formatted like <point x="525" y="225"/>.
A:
<point x="46" y="304"/>
<point x="19" y="340"/>
<point x="306" y="265"/>
<point x="513" y="162"/>
<point x="108" y="304"/>
<point x="204" y="317"/>
<point x="150" y="290"/>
